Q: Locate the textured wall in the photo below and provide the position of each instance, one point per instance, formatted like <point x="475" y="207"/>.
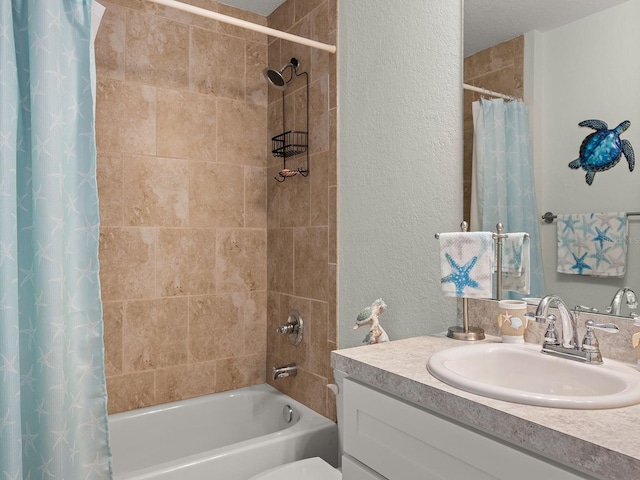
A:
<point x="302" y="211"/>
<point x="400" y="143"/>
<point x="568" y="85"/>
<point x="181" y="135"/>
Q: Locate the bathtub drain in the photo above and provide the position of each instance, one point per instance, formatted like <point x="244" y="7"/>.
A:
<point x="287" y="413"/>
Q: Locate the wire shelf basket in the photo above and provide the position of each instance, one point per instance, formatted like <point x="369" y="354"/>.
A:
<point x="288" y="144"/>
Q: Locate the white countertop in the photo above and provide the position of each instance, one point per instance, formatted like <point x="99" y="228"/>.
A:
<point x="604" y="442"/>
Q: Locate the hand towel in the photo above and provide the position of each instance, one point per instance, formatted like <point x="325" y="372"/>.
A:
<point x="516" y="263"/>
<point x="467" y="263"/>
<point x="593" y="244"/>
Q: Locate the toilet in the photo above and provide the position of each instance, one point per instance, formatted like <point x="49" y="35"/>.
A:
<point x="308" y="469"/>
<point x="311" y="468"/>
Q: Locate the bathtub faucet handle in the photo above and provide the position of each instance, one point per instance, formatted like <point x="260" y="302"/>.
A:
<point x="293" y="328"/>
<point x="287" y="329"/>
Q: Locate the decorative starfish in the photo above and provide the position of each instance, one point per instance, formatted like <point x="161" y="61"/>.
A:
<point x="602" y="236"/>
<point x="580" y="265"/>
<point x="460" y="275"/>
<point x="586" y="226"/>
<point x="618" y="262"/>
<point x="566" y="241"/>
<point x="569" y="224"/>
<point x="607" y="218"/>
<point x="601" y="255"/>
<point x="623" y="223"/>
<point x="516" y="256"/>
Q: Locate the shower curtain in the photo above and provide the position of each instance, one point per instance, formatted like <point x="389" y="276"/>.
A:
<point x="503" y="189"/>
<point x="53" y="415"/>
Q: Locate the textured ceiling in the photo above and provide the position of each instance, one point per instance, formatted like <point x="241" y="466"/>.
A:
<point x="489" y="22"/>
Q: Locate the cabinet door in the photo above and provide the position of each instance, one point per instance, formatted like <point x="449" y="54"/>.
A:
<point x="401" y="441"/>
<point x="354" y="470"/>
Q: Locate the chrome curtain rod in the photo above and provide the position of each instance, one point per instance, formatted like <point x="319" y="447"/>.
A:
<point x="491" y="93"/>
<point x="549" y="217"/>
<point x="244" y="24"/>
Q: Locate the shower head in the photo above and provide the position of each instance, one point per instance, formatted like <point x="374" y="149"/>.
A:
<point x="276" y="77"/>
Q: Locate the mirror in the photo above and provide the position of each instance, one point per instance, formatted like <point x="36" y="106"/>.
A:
<point x="568" y="70"/>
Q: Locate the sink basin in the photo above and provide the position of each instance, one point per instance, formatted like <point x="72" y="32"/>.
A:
<point x="522" y="374"/>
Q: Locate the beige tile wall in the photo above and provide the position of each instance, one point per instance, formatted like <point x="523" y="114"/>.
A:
<point x="181" y="122"/>
<point x="499" y="68"/>
<point x="184" y="175"/>
<point x="301" y="231"/>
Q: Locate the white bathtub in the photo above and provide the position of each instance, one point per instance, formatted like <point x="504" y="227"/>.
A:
<point x="225" y="436"/>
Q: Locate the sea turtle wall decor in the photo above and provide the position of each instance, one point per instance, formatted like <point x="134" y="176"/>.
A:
<point x="602" y="149"/>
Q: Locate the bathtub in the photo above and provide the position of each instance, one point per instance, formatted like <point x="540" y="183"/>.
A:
<point x="225" y="436"/>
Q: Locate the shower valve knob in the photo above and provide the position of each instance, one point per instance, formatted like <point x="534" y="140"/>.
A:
<point x="293" y="328"/>
<point x="287" y="329"/>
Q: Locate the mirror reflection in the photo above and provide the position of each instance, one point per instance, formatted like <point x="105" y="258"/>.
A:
<point x="569" y="66"/>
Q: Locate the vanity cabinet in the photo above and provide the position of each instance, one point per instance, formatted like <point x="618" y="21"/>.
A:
<point x="388" y="438"/>
<point x="354" y="470"/>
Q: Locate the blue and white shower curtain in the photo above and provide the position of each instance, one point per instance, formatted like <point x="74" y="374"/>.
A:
<point x="503" y="189"/>
<point x="53" y="415"/>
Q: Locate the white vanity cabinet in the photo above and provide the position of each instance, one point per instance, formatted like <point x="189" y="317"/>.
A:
<point x="388" y="438"/>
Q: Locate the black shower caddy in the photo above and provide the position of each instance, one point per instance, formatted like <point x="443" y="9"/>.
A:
<point x="289" y="144"/>
<point x="292" y="143"/>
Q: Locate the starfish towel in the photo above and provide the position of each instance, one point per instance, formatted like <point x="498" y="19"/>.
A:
<point x="516" y="260"/>
<point x="593" y="244"/>
<point x="467" y="264"/>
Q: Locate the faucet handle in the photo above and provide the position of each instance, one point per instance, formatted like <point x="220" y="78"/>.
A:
<point x="590" y="342"/>
<point x="551" y="335"/>
<point x="606" y="327"/>
<point x="294" y="328"/>
<point x="585" y="308"/>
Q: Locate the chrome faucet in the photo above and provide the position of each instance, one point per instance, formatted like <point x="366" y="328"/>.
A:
<point x="569" y="327"/>
<point x="588" y="351"/>
<point x="616" y="303"/>
<point x="290" y="370"/>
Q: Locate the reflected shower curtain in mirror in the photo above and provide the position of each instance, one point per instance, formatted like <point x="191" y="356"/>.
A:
<point x="503" y="188"/>
<point x="53" y="413"/>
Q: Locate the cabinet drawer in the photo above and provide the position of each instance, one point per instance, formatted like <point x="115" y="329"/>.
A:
<point x="354" y="470"/>
<point x="401" y="441"/>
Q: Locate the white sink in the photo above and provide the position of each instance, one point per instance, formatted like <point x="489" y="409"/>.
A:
<point x="522" y="374"/>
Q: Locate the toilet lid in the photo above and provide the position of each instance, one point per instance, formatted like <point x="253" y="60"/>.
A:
<point x="308" y="469"/>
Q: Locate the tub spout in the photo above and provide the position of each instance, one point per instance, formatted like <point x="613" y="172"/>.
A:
<point x="290" y="370"/>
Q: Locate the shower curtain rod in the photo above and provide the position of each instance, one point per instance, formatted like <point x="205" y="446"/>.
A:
<point x="244" y="24"/>
<point x="466" y="86"/>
